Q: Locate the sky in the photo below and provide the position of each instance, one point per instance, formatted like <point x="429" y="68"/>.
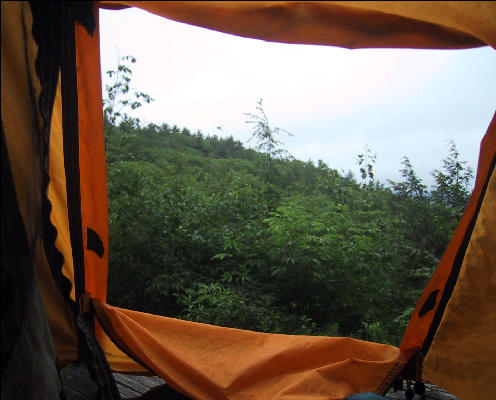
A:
<point x="333" y="101"/>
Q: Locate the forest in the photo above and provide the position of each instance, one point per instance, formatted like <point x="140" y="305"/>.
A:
<point x="205" y="229"/>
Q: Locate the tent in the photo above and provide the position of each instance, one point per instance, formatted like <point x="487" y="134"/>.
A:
<point x="55" y="222"/>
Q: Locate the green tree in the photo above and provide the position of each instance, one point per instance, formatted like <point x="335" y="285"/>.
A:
<point x="120" y="96"/>
<point x="412" y="185"/>
<point x="366" y="162"/>
<point x="451" y="186"/>
<point x="266" y="137"/>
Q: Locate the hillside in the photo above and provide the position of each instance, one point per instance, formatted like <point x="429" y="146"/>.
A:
<point x="202" y="228"/>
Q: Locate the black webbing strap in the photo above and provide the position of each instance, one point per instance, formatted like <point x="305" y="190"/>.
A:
<point x="48" y="33"/>
<point x="70" y="126"/>
<point x="54" y="32"/>
<point x="95" y="359"/>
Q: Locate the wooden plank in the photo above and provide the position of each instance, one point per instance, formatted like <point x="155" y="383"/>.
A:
<point x="132" y="386"/>
<point x="432" y="392"/>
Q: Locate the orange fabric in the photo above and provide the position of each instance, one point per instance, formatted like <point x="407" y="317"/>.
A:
<point x="118" y="360"/>
<point x="419" y="326"/>
<point x="20" y="116"/>
<point x="462" y="357"/>
<point x="60" y="316"/>
<point x="22" y="125"/>
<point x="351" y="24"/>
<point x="211" y="362"/>
<point x="57" y="192"/>
<point x="94" y="204"/>
<point x="63" y="327"/>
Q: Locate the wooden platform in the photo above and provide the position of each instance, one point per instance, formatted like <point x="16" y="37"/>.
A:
<point x="131" y="386"/>
<point x="432" y="392"/>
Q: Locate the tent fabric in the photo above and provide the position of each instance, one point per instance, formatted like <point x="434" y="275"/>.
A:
<point x="24" y="323"/>
<point x="39" y="87"/>
<point x="350" y="24"/>
<point x="93" y="178"/>
<point x="22" y="122"/>
<point x="459" y="345"/>
<point x="419" y="326"/>
<point x="33" y="352"/>
<point x="57" y="193"/>
<point x="211" y="362"/>
<point x="462" y="356"/>
<point x="118" y="360"/>
<point x="63" y="92"/>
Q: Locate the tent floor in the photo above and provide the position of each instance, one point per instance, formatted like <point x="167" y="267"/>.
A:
<point x="132" y="386"/>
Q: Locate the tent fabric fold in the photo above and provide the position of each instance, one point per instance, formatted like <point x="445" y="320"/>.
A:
<point x="350" y="24"/>
<point x="210" y="362"/>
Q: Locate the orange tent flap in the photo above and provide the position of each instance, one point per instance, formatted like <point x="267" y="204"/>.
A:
<point x="351" y="24"/>
<point x="211" y="362"/>
<point x="424" y="314"/>
<point x="462" y="356"/>
<point x="119" y="361"/>
<point x="93" y="178"/>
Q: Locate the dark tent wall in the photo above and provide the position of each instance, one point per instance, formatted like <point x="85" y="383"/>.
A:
<point x="30" y="297"/>
<point x="43" y="328"/>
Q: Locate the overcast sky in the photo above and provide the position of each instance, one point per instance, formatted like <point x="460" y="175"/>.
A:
<point x="334" y="101"/>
